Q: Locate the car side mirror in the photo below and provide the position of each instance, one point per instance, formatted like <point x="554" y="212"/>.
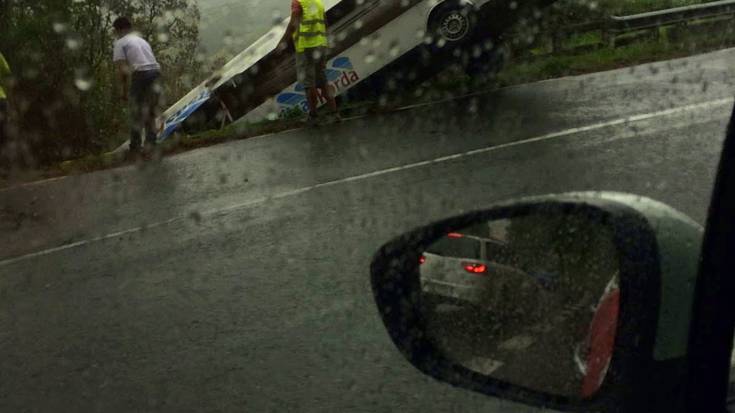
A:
<point x="576" y="302"/>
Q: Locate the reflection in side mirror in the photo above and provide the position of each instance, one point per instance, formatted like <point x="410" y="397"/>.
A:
<point x="575" y="302"/>
<point x="531" y="300"/>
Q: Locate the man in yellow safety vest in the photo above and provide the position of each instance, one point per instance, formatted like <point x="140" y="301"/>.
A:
<point x="308" y="31"/>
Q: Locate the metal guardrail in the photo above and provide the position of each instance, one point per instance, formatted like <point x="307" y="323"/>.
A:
<point x="672" y="16"/>
<point x="616" y="26"/>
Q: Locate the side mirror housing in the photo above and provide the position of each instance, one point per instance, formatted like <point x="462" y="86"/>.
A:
<point x="576" y="302"/>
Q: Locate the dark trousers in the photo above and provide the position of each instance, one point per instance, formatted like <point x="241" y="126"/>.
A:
<point x="145" y="99"/>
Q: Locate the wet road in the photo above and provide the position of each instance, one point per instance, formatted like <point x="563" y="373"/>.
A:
<point x="236" y="277"/>
<point x="534" y="353"/>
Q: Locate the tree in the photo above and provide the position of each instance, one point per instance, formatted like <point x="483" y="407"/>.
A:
<point x="62" y="101"/>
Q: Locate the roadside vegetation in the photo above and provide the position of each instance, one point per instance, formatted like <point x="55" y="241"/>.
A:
<point x="588" y="52"/>
<point x="62" y="100"/>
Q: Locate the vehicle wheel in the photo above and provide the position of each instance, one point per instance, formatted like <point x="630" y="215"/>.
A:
<point x="452" y="24"/>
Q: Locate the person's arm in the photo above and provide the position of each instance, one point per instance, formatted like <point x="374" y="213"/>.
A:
<point x="123" y="76"/>
<point x="293" y="25"/>
<point x="122" y="70"/>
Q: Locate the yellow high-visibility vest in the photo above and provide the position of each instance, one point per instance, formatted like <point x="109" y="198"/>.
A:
<point x="4" y="73"/>
<point x="313" y="29"/>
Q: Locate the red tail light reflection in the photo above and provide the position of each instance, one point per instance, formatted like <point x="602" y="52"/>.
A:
<point x="475" y="268"/>
<point x="422" y="259"/>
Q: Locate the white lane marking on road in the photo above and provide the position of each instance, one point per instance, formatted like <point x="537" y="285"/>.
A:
<point x="88" y="241"/>
<point x="483" y="365"/>
<point x="32" y="184"/>
<point x="517" y="343"/>
<point x="288" y="194"/>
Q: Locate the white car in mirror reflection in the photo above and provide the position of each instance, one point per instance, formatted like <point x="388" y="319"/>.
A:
<point x="463" y="269"/>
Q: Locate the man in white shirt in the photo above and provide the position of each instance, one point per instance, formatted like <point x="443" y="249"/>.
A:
<point x="137" y="66"/>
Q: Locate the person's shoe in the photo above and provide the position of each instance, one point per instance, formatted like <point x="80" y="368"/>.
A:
<point x="312" y="120"/>
<point x="134" y="155"/>
<point x="152" y="152"/>
<point x="147" y="156"/>
<point x="335" y="117"/>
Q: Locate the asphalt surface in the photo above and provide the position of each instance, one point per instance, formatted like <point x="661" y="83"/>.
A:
<point x="534" y="353"/>
<point x="235" y="278"/>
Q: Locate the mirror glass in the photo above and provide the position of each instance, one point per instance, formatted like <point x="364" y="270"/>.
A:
<point x="531" y="301"/>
